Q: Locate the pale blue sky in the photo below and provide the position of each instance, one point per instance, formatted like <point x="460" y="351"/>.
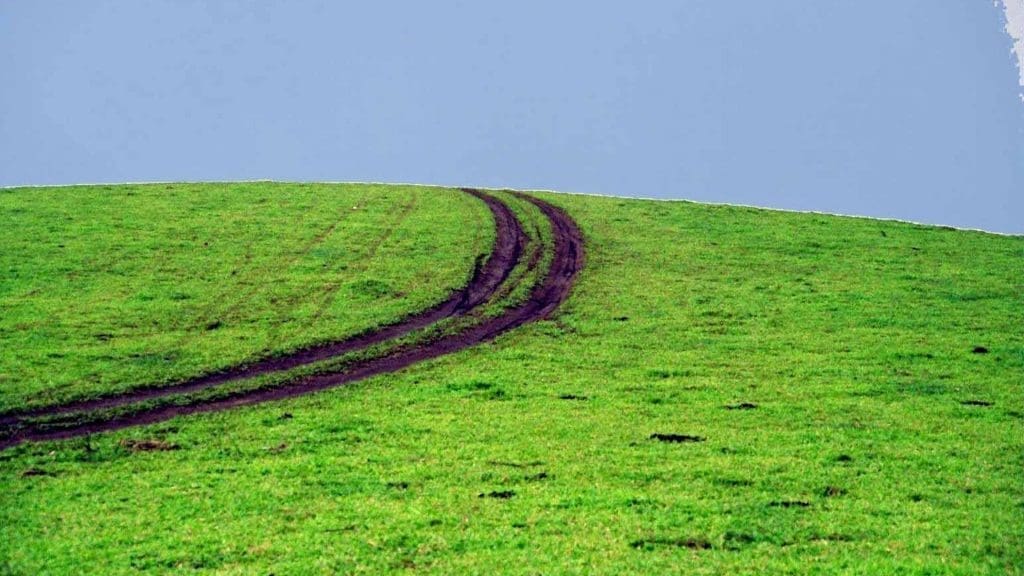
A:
<point x="906" y="109"/>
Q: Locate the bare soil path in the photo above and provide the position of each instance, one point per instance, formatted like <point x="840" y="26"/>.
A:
<point x="545" y="296"/>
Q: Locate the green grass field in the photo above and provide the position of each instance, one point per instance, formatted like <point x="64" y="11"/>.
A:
<point x="827" y="370"/>
<point x="106" y="288"/>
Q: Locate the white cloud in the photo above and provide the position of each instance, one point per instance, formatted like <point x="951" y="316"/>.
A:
<point x="1014" y="10"/>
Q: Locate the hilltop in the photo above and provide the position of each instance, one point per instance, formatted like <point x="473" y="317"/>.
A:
<point x="722" y="390"/>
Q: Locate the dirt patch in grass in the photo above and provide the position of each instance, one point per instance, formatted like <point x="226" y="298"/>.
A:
<point x="498" y="494"/>
<point x="572" y="397"/>
<point x="511" y="464"/>
<point x="738" y="540"/>
<point x="676" y="438"/>
<point x="652" y="543"/>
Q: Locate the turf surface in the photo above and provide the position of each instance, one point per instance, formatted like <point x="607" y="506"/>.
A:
<point x="728" y="390"/>
<point x="107" y="288"/>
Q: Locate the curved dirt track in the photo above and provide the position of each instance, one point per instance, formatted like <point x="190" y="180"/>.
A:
<point x="487" y="282"/>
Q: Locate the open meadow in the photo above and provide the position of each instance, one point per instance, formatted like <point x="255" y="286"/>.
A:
<point x="716" y="390"/>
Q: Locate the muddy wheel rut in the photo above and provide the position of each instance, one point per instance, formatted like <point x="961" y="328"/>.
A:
<point x="488" y="283"/>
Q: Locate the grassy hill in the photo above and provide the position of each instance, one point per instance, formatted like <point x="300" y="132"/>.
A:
<point x="727" y="390"/>
<point x="110" y="286"/>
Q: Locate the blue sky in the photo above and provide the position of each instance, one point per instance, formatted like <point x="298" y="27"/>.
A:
<point x="906" y="109"/>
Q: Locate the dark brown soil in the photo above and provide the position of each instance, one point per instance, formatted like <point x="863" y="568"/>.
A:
<point x="499" y="494"/>
<point x="515" y="464"/>
<point x="572" y="397"/>
<point x="980" y="350"/>
<point x="691" y="543"/>
<point x="741" y="406"/>
<point x="545" y="297"/>
<point x="676" y="438"/>
<point x="485" y="281"/>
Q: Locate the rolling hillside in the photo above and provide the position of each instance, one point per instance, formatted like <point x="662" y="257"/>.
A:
<point x="716" y="390"/>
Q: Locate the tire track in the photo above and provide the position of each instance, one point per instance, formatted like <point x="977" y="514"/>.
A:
<point x="288" y="301"/>
<point x="252" y="283"/>
<point x="546" y="295"/>
<point x="329" y="292"/>
<point x="485" y="281"/>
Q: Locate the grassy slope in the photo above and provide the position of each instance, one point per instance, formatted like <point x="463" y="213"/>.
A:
<point x="853" y="337"/>
<point x="109" y="287"/>
<point x="530" y="268"/>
